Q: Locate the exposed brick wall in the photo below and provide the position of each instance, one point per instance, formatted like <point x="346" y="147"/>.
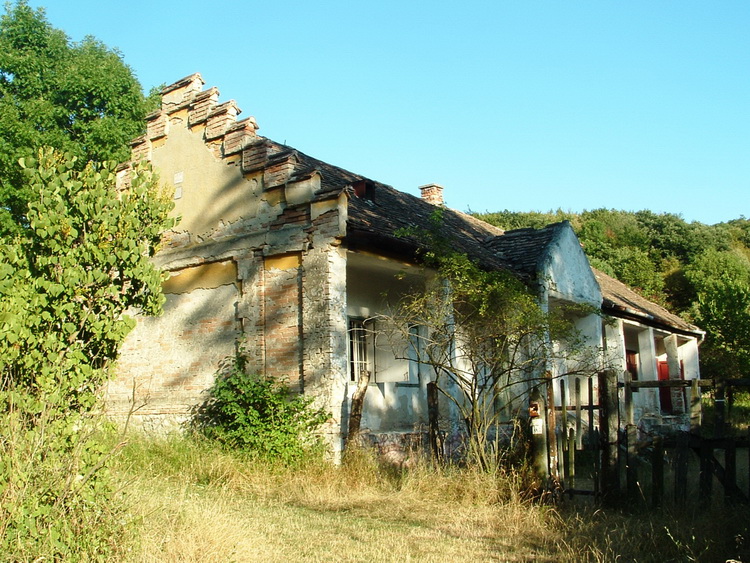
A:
<point x="325" y="324"/>
<point x="283" y="322"/>
<point x="250" y="310"/>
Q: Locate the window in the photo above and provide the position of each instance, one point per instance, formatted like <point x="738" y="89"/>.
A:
<point x="361" y="350"/>
<point x="385" y="355"/>
<point x="416" y="352"/>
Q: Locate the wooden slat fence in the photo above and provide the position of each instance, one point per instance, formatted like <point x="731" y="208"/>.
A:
<point x="595" y="448"/>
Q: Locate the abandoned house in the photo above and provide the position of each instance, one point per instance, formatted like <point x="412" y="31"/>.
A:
<point x="290" y="256"/>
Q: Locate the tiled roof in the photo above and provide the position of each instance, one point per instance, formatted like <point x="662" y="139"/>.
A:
<point x="377" y="221"/>
<point x="380" y="217"/>
<point x="619" y="300"/>
<point x="378" y="214"/>
<point x="523" y="249"/>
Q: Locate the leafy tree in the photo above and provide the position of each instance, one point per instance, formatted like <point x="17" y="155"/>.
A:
<point x="723" y="310"/>
<point x="79" y="98"/>
<point x="721" y="283"/>
<point x="66" y="284"/>
<point x="509" y="220"/>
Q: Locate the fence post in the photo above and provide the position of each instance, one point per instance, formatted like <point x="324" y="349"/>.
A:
<point x="657" y="473"/>
<point x="562" y="432"/>
<point x="537" y="419"/>
<point x="681" y="468"/>
<point x="551" y="433"/>
<point x="579" y="433"/>
<point x="706" y="472"/>
<point x="571" y="459"/>
<point x="730" y="470"/>
<point x="719" y="409"/>
<point x="631" y="431"/>
<point x="695" y="406"/>
<point x="609" y="424"/>
<point x="591" y="409"/>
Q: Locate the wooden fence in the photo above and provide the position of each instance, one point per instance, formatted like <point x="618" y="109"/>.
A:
<point x="594" y="448"/>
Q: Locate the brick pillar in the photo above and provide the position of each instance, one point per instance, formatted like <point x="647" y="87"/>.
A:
<point x="250" y="310"/>
<point x="325" y="327"/>
<point x="283" y="318"/>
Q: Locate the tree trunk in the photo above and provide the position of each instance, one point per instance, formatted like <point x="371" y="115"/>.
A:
<point x="355" y="414"/>
<point x="436" y="442"/>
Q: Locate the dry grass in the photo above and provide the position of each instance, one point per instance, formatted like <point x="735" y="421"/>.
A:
<point x="188" y="502"/>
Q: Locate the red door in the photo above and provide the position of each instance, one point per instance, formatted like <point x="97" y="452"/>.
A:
<point x="665" y="393"/>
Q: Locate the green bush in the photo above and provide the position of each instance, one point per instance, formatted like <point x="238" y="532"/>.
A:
<point x="57" y="501"/>
<point x="259" y="416"/>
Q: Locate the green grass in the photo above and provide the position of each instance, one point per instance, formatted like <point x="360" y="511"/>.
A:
<point x="190" y="502"/>
<point x="736" y="414"/>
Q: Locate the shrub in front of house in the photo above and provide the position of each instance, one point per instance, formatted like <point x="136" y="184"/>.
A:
<point x="259" y="416"/>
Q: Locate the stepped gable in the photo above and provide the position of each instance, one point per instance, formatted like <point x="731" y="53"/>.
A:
<point x="622" y="301"/>
<point x="185" y="103"/>
<point x="376" y="211"/>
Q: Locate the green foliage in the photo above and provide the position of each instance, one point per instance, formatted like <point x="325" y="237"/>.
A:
<point x="66" y="283"/>
<point x="721" y="282"/>
<point x="56" y="495"/>
<point x="79" y="98"/>
<point x="260" y="416"/>
<point x="509" y="220"/>
<point x="68" y="280"/>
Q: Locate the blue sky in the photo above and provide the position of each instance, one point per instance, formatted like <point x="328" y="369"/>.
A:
<point x="522" y="105"/>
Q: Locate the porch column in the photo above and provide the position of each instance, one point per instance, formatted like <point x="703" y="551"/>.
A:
<point x="675" y="373"/>
<point x="648" y="367"/>
<point x="324" y="323"/>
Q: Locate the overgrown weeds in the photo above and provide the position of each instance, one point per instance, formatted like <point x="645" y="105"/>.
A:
<point x="191" y="501"/>
<point x="57" y="500"/>
<point x="259" y="416"/>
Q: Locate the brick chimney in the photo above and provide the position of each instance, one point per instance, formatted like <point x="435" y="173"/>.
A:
<point x="432" y="193"/>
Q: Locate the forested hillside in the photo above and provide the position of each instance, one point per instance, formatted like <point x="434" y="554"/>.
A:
<point x="700" y="271"/>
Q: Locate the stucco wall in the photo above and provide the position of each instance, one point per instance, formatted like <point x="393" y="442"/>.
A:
<point x="566" y="273"/>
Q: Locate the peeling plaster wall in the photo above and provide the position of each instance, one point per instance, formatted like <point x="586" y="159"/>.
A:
<point x="210" y="194"/>
<point x="167" y="361"/>
<point x="324" y="333"/>
<point x="255" y="261"/>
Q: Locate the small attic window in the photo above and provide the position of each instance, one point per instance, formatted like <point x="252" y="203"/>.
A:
<point x="362" y="188"/>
